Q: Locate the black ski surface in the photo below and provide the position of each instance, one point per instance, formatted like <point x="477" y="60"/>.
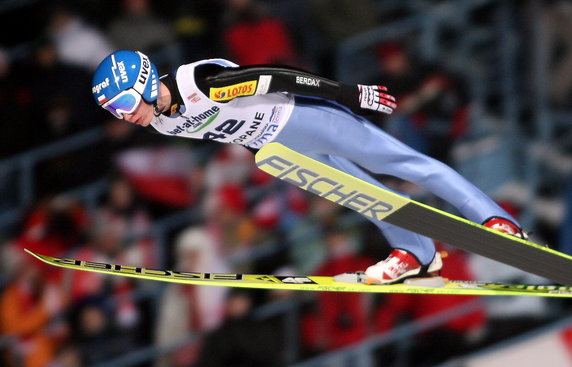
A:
<point x="384" y="205"/>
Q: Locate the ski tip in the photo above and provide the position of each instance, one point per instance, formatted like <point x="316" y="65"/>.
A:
<point x="30" y="252"/>
<point x="37" y="256"/>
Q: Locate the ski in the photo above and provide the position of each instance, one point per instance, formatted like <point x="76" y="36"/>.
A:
<point x="350" y="282"/>
<point x="383" y="205"/>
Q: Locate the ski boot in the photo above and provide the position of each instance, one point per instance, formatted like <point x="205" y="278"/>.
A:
<point x="505" y="226"/>
<point x="400" y="265"/>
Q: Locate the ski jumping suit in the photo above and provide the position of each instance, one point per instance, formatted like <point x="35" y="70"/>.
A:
<point x="321" y="129"/>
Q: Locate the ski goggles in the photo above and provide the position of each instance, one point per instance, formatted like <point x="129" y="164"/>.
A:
<point x="125" y="102"/>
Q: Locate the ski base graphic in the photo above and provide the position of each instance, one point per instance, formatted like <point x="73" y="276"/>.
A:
<point x="350" y="282"/>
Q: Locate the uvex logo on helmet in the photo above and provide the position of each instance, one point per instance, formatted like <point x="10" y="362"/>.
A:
<point x="122" y="73"/>
<point x="143" y="77"/>
<point x="144" y="74"/>
<point x="125" y="70"/>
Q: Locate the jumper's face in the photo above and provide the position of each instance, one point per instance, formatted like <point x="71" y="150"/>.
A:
<point x="142" y="115"/>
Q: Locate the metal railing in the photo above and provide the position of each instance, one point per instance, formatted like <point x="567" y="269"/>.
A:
<point x="362" y="354"/>
<point x="288" y="308"/>
<point x="488" y="58"/>
<point x="555" y="326"/>
<point x="357" y="355"/>
<point x="427" y="24"/>
<point x="18" y="172"/>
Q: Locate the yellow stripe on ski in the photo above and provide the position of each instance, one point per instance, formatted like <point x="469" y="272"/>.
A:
<point x="304" y="283"/>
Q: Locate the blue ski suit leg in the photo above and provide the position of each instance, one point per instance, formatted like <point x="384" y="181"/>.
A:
<point x="333" y="135"/>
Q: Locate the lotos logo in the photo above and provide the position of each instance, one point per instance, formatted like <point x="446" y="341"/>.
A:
<point x="233" y="91"/>
<point x="97" y="88"/>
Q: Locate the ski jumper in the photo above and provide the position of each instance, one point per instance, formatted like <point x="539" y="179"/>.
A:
<point x="249" y="113"/>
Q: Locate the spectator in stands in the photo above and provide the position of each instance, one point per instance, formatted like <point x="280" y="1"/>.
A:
<point x="62" y="106"/>
<point x="297" y="17"/>
<point x="357" y="17"/>
<point x="308" y="234"/>
<point x="230" y="164"/>
<point x="188" y="310"/>
<point x="252" y="36"/>
<point x="197" y="25"/>
<point x="53" y="227"/>
<point x="328" y="16"/>
<point x="123" y="208"/>
<point x="433" y="110"/>
<point x="108" y="244"/>
<point x="119" y="138"/>
<point x="240" y="341"/>
<point x="556" y="20"/>
<point x="509" y="316"/>
<point x="139" y="27"/>
<point x="231" y="212"/>
<point x="124" y="214"/>
<point x="68" y="356"/>
<point x="281" y="209"/>
<point x="226" y="211"/>
<point x="341" y="318"/>
<point x="96" y="334"/>
<point x="456" y="336"/>
<point x="17" y="105"/>
<point x="41" y="99"/>
<point x="76" y="42"/>
<point x="162" y="175"/>
<point x="29" y="307"/>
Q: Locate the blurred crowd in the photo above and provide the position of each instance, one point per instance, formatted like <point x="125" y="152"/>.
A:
<point x="241" y="219"/>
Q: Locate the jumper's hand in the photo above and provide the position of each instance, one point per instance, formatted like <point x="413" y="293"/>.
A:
<point x="372" y="97"/>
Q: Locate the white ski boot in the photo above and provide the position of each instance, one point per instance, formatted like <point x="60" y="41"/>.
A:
<point x="400" y="265"/>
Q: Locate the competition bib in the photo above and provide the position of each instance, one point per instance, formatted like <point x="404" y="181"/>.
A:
<point x="252" y="121"/>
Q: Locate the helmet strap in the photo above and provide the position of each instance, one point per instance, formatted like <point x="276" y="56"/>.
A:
<point x="156" y="110"/>
<point x="177" y="105"/>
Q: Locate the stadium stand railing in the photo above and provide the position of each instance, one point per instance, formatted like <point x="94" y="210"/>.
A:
<point x="561" y="326"/>
<point x="487" y="56"/>
<point x="19" y="170"/>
